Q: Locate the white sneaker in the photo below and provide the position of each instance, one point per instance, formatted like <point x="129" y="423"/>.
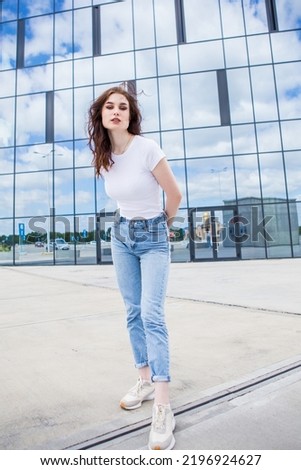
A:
<point x="161" y="435"/>
<point x="142" y="391"/>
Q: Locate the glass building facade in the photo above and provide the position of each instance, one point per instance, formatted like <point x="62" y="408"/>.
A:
<point x="219" y="84"/>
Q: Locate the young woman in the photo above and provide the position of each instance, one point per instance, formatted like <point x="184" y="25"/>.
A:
<point x="135" y="170"/>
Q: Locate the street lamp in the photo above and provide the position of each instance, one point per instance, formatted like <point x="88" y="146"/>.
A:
<point x="47" y="155"/>
<point x="218" y="172"/>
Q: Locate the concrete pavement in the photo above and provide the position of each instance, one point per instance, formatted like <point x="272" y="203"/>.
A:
<point x="65" y="357"/>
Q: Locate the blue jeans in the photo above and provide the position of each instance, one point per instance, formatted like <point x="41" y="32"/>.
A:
<point x="141" y="256"/>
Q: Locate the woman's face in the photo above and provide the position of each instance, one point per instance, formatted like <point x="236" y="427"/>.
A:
<point x="116" y="113"/>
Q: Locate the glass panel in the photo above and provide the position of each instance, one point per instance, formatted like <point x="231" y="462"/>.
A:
<point x="82" y="33"/>
<point x="64" y="191"/>
<point x="255" y="16"/>
<point x="8" y="46"/>
<point x="83" y="156"/>
<point x="288" y="79"/>
<point x="288" y="14"/>
<point x="167" y="58"/>
<point x="272" y="175"/>
<point x="259" y="49"/>
<point x="170" y="103"/>
<point x="179" y="238"/>
<point x="83" y="70"/>
<point x="295" y="219"/>
<point x="202" y="56"/>
<point x="291" y="134"/>
<point x="84" y="190"/>
<point x="86" y="244"/>
<point x="244" y="138"/>
<point x="38" y="40"/>
<point x="277" y="237"/>
<point x="143" y="24"/>
<point x="247" y="178"/>
<point x="268" y="137"/>
<point x="82" y="98"/>
<point x="30" y="8"/>
<point x="6" y="161"/>
<point x="83" y="3"/>
<point x="293" y="174"/>
<point x="63" y="112"/>
<point x="7" y="113"/>
<point x="66" y="4"/>
<point x="116" y="27"/>
<point x="148" y="100"/>
<point x="264" y="93"/>
<point x="202" y="20"/>
<point x="164" y="10"/>
<point x="236" y="52"/>
<point x="30" y="124"/>
<point x="178" y="169"/>
<point x="63" y="75"/>
<point x="35" y="79"/>
<point x="250" y="211"/>
<point x="115" y="68"/>
<point x="200" y="100"/>
<point x="33" y="193"/>
<point x="286" y="46"/>
<point x="63" y="36"/>
<point x="6" y="195"/>
<point x="7" y="83"/>
<point x="6" y="241"/>
<point x="172" y="144"/>
<point x="208" y="142"/>
<point x="240" y="96"/>
<point x="9" y="11"/>
<point x="232" y="18"/>
<point x="210" y="181"/>
<point x="145" y="64"/>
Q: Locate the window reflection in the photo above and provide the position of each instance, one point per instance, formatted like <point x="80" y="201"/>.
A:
<point x="293" y="174"/>
<point x="82" y="98"/>
<point x="208" y="142"/>
<point x="236" y="52"/>
<point x="170" y="103"/>
<point x="200" y="100"/>
<point x="286" y="46"/>
<point x="29" y="8"/>
<point x="167" y="58"/>
<point x="247" y="176"/>
<point x="164" y="35"/>
<point x="240" y="96"/>
<point x="63" y="36"/>
<point x="291" y="134"/>
<point x="272" y="175"/>
<point x="115" y="68"/>
<point x="255" y="16"/>
<point x="38" y="40"/>
<point x="143" y="24"/>
<point x="259" y="49"/>
<point x="84" y="190"/>
<point x="64" y="190"/>
<point x="63" y="112"/>
<point x="210" y="181"/>
<point x="6" y="195"/>
<point x="172" y="144"/>
<point x="232" y="18"/>
<point x="7" y="121"/>
<point x="145" y="63"/>
<point x="288" y="14"/>
<point x="9" y="45"/>
<point x="202" y="20"/>
<point x="7" y="84"/>
<point x="244" y="138"/>
<point x="35" y="79"/>
<point x="288" y="79"/>
<point x="82" y="33"/>
<point x="268" y="136"/>
<point x="202" y="56"/>
<point x="82" y="155"/>
<point x="149" y="104"/>
<point x="6" y="160"/>
<point x="63" y="75"/>
<point x="264" y="97"/>
<point x="30" y="123"/>
<point x="32" y="195"/>
<point x="116" y="27"/>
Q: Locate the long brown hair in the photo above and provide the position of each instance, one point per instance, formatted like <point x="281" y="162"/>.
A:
<point x="99" y="141"/>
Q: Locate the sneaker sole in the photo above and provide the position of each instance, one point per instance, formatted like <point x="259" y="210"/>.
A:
<point x="172" y="442"/>
<point x="124" y="406"/>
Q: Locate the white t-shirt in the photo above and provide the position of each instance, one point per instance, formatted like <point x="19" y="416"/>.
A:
<point x="130" y="180"/>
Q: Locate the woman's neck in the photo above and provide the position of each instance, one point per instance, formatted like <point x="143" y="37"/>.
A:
<point x="120" y="141"/>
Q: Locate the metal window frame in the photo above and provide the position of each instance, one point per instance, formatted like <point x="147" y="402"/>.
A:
<point x="180" y="21"/>
<point x="49" y="117"/>
<point x="20" y="44"/>
<point x="272" y="16"/>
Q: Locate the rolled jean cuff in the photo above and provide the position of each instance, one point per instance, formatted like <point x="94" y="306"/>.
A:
<point x="141" y="364"/>
<point x="160" y="378"/>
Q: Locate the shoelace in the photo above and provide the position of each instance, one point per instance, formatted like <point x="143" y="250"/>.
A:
<point x="159" y="420"/>
<point x="137" y="388"/>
